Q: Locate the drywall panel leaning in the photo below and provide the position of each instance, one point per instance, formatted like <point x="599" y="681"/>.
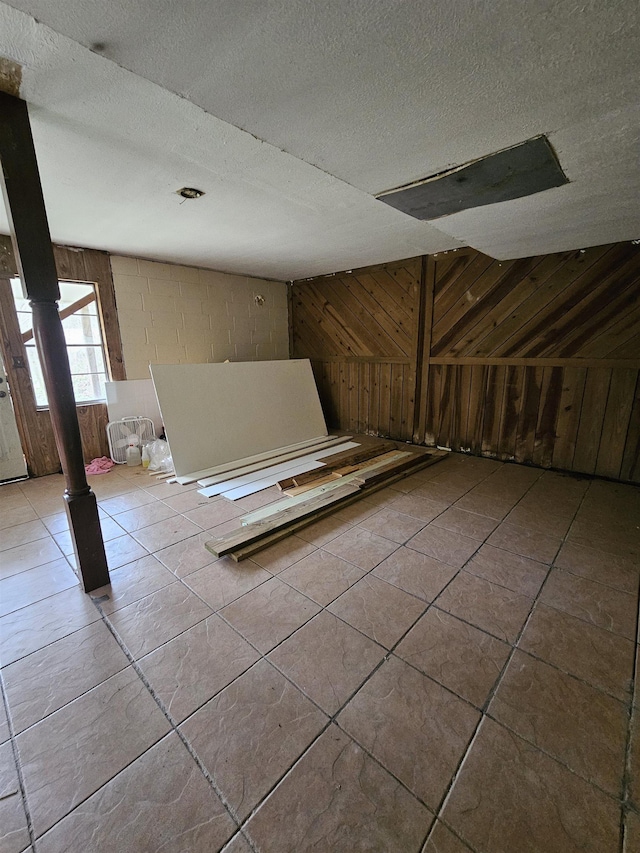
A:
<point x="133" y="398"/>
<point x="216" y="413"/>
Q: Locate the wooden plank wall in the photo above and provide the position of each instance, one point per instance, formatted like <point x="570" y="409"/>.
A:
<point x="535" y="360"/>
<point x="362" y="330"/>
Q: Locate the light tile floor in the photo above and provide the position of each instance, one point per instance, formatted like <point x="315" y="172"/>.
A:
<point x="447" y="666"/>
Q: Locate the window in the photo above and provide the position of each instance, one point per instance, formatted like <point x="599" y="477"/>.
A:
<point x="83" y="333"/>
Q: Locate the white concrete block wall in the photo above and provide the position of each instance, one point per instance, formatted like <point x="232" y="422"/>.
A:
<point x="182" y="315"/>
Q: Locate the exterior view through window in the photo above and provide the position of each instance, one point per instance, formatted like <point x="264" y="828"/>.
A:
<point x="81" y="323"/>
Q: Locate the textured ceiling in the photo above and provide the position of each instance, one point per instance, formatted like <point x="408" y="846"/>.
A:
<point x="339" y="101"/>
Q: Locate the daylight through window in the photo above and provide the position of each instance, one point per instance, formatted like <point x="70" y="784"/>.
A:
<point x="79" y="313"/>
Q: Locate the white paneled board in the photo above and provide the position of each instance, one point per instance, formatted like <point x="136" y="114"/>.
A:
<point x="131" y="398"/>
<point x="217" y="413"/>
<point x="247" y="484"/>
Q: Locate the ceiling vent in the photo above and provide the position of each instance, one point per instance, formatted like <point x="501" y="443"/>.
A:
<point x="525" y="169"/>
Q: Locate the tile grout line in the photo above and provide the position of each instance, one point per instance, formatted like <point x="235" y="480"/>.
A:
<point x="627" y="776"/>
<point x="388" y="652"/>
<point x="333" y="717"/>
<point x="492" y="693"/>
<point x="262" y="656"/>
<point x="18" y="766"/>
<point x="174" y="726"/>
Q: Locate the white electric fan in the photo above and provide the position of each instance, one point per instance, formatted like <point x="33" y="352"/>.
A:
<point x="121" y="434"/>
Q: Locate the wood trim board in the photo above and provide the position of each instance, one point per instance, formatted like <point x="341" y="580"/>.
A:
<point x="287" y="521"/>
<point x="297" y="467"/>
<point x="226" y="472"/>
<point x="246" y="489"/>
<point x="284" y="504"/>
<point x="246" y="535"/>
<point x="248" y="550"/>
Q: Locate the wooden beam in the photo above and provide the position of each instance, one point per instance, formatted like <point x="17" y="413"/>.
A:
<point x="423" y="386"/>
<point x="27" y="216"/>
<point x="616" y="363"/>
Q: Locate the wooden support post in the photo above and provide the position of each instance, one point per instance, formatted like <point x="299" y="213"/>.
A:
<point x="34" y="255"/>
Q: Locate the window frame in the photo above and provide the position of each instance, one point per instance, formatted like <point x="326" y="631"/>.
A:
<point x="68" y="311"/>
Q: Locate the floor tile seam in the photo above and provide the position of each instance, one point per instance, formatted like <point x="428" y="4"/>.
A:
<point x="108" y="616"/>
<point x="70" y="701"/>
<point x="22" y="545"/>
<point x="218" y="609"/>
<point x="630" y="806"/>
<point x="394" y="541"/>
<point x="46" y="645"/>
<point x="587" y="622"/>
<point x="39" y="538"/>
<point x="391" y="583"/>
<point x="466" y="621"/>
<point x="120" y="511"/>
<point x="497" y="583"/>
<point x="630" y="552"/>
<point x="174" y="726"/>
<point x="626" y="703"/>
<point x="15" y="752"/>
<point x="386" y="769"/>
<point x="627" y="775"/>
<point x="433" y="679"/>
<point x="489" y="699"/>
<point x="332" y="720"/>
<point x="492" y="693"/>
<point x="623" y="528"/>
<point x="265" y="655"/>
<point x="242" y="827"/>
<point x="460" y="532"/>
<point x="456" y="832"/>
<point x="38" y="600"/>
<point x="617" y="798"/>
<point x="595" y="580"/>
<point x="365" y="573"/>
<point x="337" y="616"/>
<point x="42" y="565"/>
<point x="84" y="799"/>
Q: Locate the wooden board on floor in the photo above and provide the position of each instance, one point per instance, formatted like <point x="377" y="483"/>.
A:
<point x="367" y="451"/>
<point x="274" y="508"/>
<point x="422" y="461"/>
<point x="371" y="476"/>
<point x="246" y="535"/>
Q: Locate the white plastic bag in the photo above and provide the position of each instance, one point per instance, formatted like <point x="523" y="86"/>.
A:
<point x="159" y="456"/>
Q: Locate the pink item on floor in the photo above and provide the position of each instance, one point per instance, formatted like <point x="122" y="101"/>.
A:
<point x="99" y="466"/>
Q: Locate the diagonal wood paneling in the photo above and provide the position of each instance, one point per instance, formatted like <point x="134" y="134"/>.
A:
<point x="535" y="360"/>
<point x="361" y="331"/>
<point x="362" y="314"/>
<point x="571" y="304"/>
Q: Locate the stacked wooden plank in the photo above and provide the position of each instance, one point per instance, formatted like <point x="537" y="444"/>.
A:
<point x="345" y="477"/>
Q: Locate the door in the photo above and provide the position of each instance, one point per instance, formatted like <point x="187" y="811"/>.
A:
<point x="12" y="462"/>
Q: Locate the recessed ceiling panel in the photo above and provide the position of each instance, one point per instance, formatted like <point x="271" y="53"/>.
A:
<point x="523" y="170"/>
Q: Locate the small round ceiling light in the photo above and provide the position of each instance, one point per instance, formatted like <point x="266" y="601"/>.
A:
<point x="190" y="192"/>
